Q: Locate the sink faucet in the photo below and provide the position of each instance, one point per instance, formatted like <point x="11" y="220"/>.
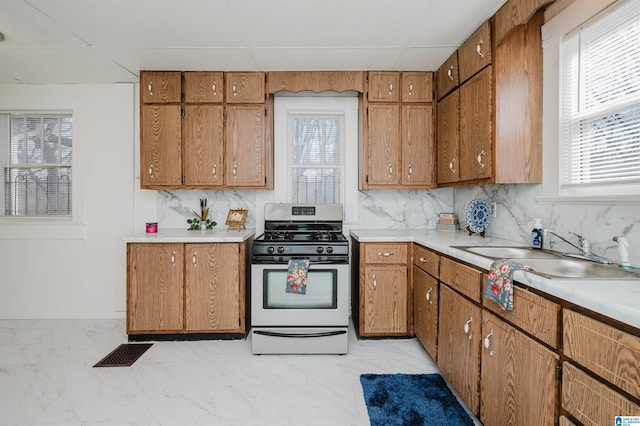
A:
<point x="584" y="248"/>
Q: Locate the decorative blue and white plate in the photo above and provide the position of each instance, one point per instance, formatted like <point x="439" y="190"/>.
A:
<point x="478" y="215"/>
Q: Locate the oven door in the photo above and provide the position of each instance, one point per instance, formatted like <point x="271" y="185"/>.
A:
<point x="326" y="302"/>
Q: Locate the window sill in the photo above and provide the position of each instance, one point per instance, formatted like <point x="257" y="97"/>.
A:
<point x="25" y="229"/>
<point x="588" y="200"/>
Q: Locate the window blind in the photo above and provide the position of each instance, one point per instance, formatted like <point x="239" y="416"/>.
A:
<point x="36" y="158"/>
<point x="316" y="151"/>
<point x="600" y="92"/>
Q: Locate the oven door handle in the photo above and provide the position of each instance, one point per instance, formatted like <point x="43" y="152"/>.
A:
<point x="300" y="335"/>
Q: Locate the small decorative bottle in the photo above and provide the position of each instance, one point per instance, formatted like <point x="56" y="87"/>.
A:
<point x="536" y="235"/>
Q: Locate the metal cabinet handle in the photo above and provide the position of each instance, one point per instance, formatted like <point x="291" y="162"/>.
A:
<point x="428" y="296"/>
<point x="423" y="260"/>
<point x="450" y="72"/>
<point x="150" y="88"/>
<point x="479" y="48"/>
<point x="150" y="170"/>
<point x="234" y="171"/>
<point x="194" y="259"/>
<point x="467" y="328"/>
<point x="390" y="88"/>
<point x="410" y="88"/>
<point x="173" y="259"/>
<point x="390" y="170"/>
<point x="487" y="343"/>
<point x="213" y="88"/>
<point x="479" y="159"/>
<point x="214" y="170"/>
<point x="386" y="253"/>
<point x="452" y="164"/>
<point x="375" y="281"/>
<point x="410" y="171"/>
<point x="235" y="89"/>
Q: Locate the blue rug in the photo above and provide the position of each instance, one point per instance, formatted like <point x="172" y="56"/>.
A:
<point x="411" y="399"/>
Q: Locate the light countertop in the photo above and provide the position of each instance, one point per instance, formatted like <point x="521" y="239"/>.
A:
<point x="218" y="235"/>
<point x="618" y="299"/>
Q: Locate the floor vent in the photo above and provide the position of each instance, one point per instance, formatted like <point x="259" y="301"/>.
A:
<point x="124" y="355"/>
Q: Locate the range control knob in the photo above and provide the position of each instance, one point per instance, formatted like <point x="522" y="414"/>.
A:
<point x="270" y="250"/>
<point x="319" y="250"/>
<point x="329" y="250"/>
<point x="280" y="249"/>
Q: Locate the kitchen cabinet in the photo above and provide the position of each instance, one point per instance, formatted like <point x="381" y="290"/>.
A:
<point x="448" y="75"/>
<point x="475" y="53"/>
<point x="155" y="287"/>
<point x="383" y="296"/>
<point x="425" y="298"/>
<point x="459" y="340"/>
<point x="465" y="279"/>
<point x="399" y="147"/>
<point x="448" y="131"/>
<point x="186" y="288"/>
<point x="208" y="136"/>
<point x="518" y="376"/>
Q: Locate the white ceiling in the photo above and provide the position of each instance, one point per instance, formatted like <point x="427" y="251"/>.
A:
<point x="91" y="41"/>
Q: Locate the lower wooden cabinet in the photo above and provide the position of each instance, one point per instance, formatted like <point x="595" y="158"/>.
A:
<point x="425" y="310"/>
<point x="176" y="288"/>
<point x="459" y="343"/>
<point x="518" y="377"/>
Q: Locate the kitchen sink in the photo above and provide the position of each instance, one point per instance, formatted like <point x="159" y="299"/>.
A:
<point x="506" y="252"/>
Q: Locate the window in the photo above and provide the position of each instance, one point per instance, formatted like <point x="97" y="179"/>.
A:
<point x="600" y="104"/>
<point x="36" y="158"/>
<point x="315" y="160"/>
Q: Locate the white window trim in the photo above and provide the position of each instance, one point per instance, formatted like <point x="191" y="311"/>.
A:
<point x="31" y="228"/>
<point x="552" y="34"/>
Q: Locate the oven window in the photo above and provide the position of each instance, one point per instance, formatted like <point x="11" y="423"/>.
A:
<point x="322" y="290"/>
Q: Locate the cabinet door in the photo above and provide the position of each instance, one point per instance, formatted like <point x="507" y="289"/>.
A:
<point x="246" y="150"/>
<point x="513" y="365"/>
<point x="384" y="86"/>
<point x="417" y="86"/>
<point x="203" y="87"/>
<point x="385" y="300"/>
<point x="155" y="289"/>
<point x="161" y="145"/>
<point x="476" y="130"/>
<point x="245" y="87"/>
<point x="384" y="145"/>
<point x="448" y="77"/>
<point x="203" y="145"/>
<point x="459" y="343"/>
<point x="418" y="146"/>
<point x="475" y="52"/>
<point x="448" y="135"/>
<point x="160" y="86"/>
<point x="425" y="310"/>
<point x="212" y="287"/>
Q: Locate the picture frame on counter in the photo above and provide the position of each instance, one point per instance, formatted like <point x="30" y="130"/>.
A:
<point x="236" y="219"/>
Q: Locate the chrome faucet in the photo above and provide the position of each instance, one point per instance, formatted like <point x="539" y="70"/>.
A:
<point x="584" y="248"/>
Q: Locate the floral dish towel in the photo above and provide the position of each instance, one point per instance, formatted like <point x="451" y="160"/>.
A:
<point x="500" y="282"/>
<point x="297" y="276"/>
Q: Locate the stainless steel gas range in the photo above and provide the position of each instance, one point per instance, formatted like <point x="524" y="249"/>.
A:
<point x="317" y="321"/>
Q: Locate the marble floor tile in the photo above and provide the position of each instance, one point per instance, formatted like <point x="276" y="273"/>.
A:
<point x="47" y="378"/>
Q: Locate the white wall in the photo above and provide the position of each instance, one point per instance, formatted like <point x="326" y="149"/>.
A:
<point x="76" y="270"/>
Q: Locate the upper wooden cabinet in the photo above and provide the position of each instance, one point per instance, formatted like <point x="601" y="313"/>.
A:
<point x="160" y="145"/>
<point x="245" y="87"/>
<point x="418" y="147"/>
<point x="247" y="154"/>
<point x="417" y="86"/>
<point x="448" y="76"/>
<point x="475" y="52"/>
<point x="448" y="134"/>
<point x="384" y="86"/>
<point x="203" y="153"/>
<point x="160" y="86"/>
<point x="203" y="87"/>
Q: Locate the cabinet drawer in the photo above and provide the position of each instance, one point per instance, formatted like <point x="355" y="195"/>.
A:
<point x="610" y="353"/>
<point x="160" y="86"/>
<point x="417" y="87"/>
<point x="532" y="313"/>
<point x="463" y="278"/>
<point x="426" y="260"/>
<point x="384" y="86"/>
<point x="385" y="253"/>
<point x="203" y="86"/>
<point x="245" y="87"/>
<point x="448" y="75"/>
<point x="590" y="401"/>
<point x="475" y="52"/>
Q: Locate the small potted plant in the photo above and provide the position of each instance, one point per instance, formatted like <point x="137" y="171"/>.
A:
<point x="201" y="221"/>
